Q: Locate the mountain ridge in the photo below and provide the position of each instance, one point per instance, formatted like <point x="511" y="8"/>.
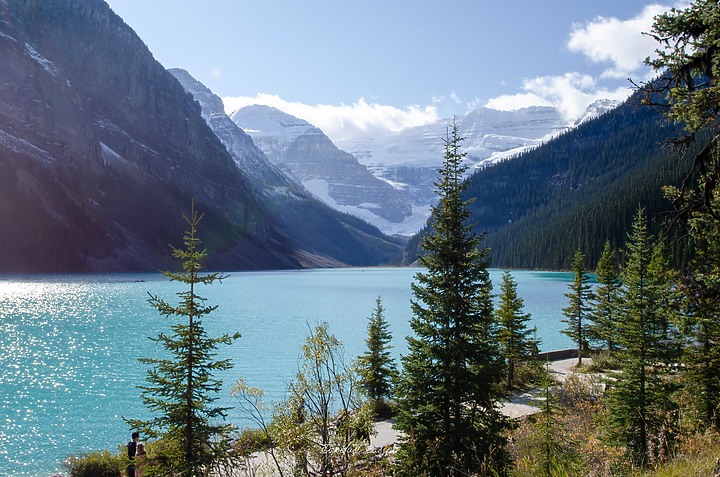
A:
<point x="304" y="152"/>
<point x="101" y="149"/>
<point x="407" y="160"/>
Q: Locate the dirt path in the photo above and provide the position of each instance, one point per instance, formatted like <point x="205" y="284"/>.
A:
<point x="522" y="404"/>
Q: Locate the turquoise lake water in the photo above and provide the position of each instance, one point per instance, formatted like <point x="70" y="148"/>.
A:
<point x="69" y="344"/>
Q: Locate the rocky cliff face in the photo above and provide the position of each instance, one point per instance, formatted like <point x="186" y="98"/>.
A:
<point x="392" y="176"/>
<point x="248" y="157"/>
<point x="323" y="228"/>
<point x="101" y="149"/>
<point x="336" y="177"/>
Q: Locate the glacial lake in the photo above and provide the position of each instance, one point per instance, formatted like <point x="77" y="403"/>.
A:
<point x="69" y="344"/>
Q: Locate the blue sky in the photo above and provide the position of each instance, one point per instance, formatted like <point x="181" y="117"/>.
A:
<point x="351" y="66"/>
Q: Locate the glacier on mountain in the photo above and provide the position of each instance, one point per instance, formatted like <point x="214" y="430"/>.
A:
<point x="406" y="160"/>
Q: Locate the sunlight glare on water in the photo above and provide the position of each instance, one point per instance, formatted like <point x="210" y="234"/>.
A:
<point x="69" y="344"/>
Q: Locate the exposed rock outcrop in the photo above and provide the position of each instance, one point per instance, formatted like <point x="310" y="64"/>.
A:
<point x="101" y="149"/>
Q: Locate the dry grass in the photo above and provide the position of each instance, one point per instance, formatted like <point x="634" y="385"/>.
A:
<point x="697" y="455"/>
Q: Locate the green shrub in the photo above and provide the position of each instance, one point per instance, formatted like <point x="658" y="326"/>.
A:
<point x="529" y="374"/>
<point x="581" y="388"/>
<point x="95" y="464"/>
<point x="383" y="409"/>
<point x="250" y="441"/>
<point x="601" y="362"/>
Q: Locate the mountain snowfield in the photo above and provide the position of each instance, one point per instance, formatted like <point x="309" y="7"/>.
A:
<point x="408" y="159"/>
<point x="307" y="155"/>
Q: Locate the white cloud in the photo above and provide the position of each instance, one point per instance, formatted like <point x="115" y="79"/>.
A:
<point x="619" y="43"/>
<point x="614" y="42"/>
<point x="510" y="102"/>
<point x="343" y="121"/>
<point x="571" y="93"/>
<point x="216" y="72"/>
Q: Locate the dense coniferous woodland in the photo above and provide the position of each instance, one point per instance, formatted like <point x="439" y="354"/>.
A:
<point x="576" y="191"/>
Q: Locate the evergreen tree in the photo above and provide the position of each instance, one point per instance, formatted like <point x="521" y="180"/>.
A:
<point x="376" y="364"/>
<point x="515" y="339"/>
<point x="577" y="312"/>
<point x="181" y="389"/>
<point x="603" y="316"/>
<point x="556" y="454"/>
<point x="699" y="293"/>
<point x="690" y="61"/>
<point x="448" y="391"/>
<point x="638" y="400"/>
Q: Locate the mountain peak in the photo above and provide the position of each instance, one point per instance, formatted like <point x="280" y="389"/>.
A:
<point x="596" y="109"/>
<point x="269" y="121"/>
<point x="209" y="102"/>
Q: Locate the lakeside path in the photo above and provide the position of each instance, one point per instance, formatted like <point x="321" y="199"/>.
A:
<point x="520" y="405"/>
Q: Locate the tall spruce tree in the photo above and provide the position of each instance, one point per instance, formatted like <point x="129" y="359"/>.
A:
<point x="514" y="337"/>
<point x="181" y="388"/>
<point x="448" y="390"/>
<point x="699" y="294"/>
<point x="638" y="399"/>
<point x="377" y="366"/>
<point x="603" y="315"/>
<point x="689" y="59"/>
<point x="579" y="307"/>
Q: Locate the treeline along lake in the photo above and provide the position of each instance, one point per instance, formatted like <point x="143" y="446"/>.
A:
<point x="69" y="343"/>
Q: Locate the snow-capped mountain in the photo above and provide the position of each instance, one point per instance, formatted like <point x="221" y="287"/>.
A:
<point x="336" y="177"/>
<point x="408" y="159"/>
<point x="101" y="149"/>
<point x="597" y="109"/>
<point x="489" y="134"/>
<point x="249" y="158"/>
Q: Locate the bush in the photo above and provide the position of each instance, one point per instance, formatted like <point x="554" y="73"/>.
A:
<point x="602" y="361"/>
<point x="383" y="409"/>
<point x="581" y="388"/>
<point x="250" y="441"/>
<point x="95" y="464"/>
<point x="529" y="374"/>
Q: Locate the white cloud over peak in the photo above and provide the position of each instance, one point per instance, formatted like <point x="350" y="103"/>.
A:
<point x="343" y="121"/>
<point x="571" y="93"/>
<point x="618" y="43"/>
<point x="510" y="102"/>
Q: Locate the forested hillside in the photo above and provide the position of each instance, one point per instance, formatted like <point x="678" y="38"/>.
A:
<point x="576" y="191"/>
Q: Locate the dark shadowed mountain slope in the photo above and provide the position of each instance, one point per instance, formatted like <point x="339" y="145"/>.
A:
<point x="576" y="191"/>
<point x="326" y="231"/>
<point x="101" y="149"/>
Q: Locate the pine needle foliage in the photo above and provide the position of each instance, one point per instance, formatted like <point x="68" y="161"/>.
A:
<point x="603" y="315"/>
<point x="576" y="313"/>
<point x="699" y="293"/>
<point x="689" y="57"/>
<point x="181" y="388"/>
<point x="639" y="403"/>
<point x="449" y="386"/>
<point x="514" y="337"/>
<point x="376" y="365"/>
